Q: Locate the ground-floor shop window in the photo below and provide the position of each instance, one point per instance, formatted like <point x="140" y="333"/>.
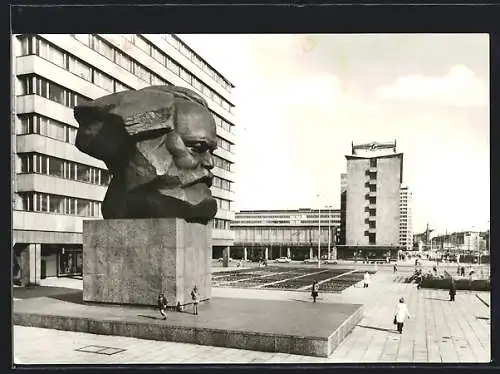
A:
<point x="70" y="263"/>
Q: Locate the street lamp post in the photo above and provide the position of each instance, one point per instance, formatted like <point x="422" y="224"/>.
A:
<point x="329" y="207"/>
<point x="329" y="230"/>
<point x="478" y="249"/>
<point x="319" y="236"/>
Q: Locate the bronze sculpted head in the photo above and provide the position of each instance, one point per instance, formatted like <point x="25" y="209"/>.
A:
<point x="158" y="144"/>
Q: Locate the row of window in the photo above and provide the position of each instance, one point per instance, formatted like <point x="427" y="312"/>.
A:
<point x="281" y="234"/>
<point x="114" y="54"/>
<point x="187" y="52"/>
<point x="34" y="124"/>
<point x="299" y="217"/>
<point x="177" y="69"/>
<point x="42" y="202"/>
<point x="221" y="183"/>
<point x="221" y="163"/>
<point x="38" y="46"/>
<point x="273" y="222"/>
<point x="56" y="167"/>
<point x="34" y="85"/>
<point x="37" y="124"/>
<point x="224" y="144"/>
<point x="223" y="203"/>
<point x="221" y="224"/>
<point x="182" y="48"/>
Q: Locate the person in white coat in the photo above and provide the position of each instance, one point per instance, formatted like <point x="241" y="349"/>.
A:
<point x="401" y="314"/>
<point x="366" y="280"/>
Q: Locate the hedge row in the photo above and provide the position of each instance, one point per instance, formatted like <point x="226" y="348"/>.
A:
<point x="461" y="284"/>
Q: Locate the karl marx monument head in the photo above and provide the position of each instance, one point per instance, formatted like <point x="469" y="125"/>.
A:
<point x="158" y="144"/>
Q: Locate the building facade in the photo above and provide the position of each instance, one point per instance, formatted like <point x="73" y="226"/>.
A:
<point x="405" y="222"/>
<point x="55" y="186"/>
<point x="269" y="234"/>
<point x="372" y="202"/>
<point x="464" y="242"/>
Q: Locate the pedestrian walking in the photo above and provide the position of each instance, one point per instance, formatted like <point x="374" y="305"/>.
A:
<point x="462" y="271"/>
<point x="195" y="296"/>
<point x="401" y="314"/>
<point x="314" y="290"/>
<point x="453" y="289"/>
<point x="395" y="268"/>
<point x="366" y="280"/>
<point x="162" y="305"/>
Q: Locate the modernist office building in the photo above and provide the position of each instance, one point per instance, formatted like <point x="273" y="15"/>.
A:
<point x="55" y="186"/>
<point x="405" y="221"/>
<point x="269" y="234"/>
<point x="372" y="201"/>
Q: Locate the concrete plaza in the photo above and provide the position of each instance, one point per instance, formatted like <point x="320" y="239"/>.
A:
<point x="438" y="332"/>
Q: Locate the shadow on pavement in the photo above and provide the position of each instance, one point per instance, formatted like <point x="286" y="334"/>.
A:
<point x="41" y="291"/>
<point x="378" y="329"/>
<point x="437" y="298"/>
<point x="150" y="317"/>
<point x="76" y="297"/>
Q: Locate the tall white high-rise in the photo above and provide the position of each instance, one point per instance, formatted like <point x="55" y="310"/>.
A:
<point x="405" y="221"/>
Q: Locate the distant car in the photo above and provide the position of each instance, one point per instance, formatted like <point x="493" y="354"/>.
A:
<point x="222" y="260"/>
<point x="311" y="261"/>
<point x="330" y="262"/>
<point x="283" y="260"/>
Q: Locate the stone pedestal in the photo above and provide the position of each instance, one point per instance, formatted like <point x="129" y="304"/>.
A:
<point x="130" y="261"/>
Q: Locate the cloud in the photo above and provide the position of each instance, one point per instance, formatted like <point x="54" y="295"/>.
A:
<point x="460" y="87"/>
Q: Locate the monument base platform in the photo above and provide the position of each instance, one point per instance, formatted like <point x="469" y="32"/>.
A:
<point x="295" y="327"/>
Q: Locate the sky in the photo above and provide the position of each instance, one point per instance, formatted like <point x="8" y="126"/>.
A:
<point x="301" y="99"/>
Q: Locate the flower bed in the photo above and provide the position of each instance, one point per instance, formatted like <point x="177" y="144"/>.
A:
<point x="268" y="277"/>
<point x="307" y="280"/>
<point x="270" y="274"/>
<point x="337" y="285"/>
<point x="354" y="277"/>
<point x="228" y="279"/>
